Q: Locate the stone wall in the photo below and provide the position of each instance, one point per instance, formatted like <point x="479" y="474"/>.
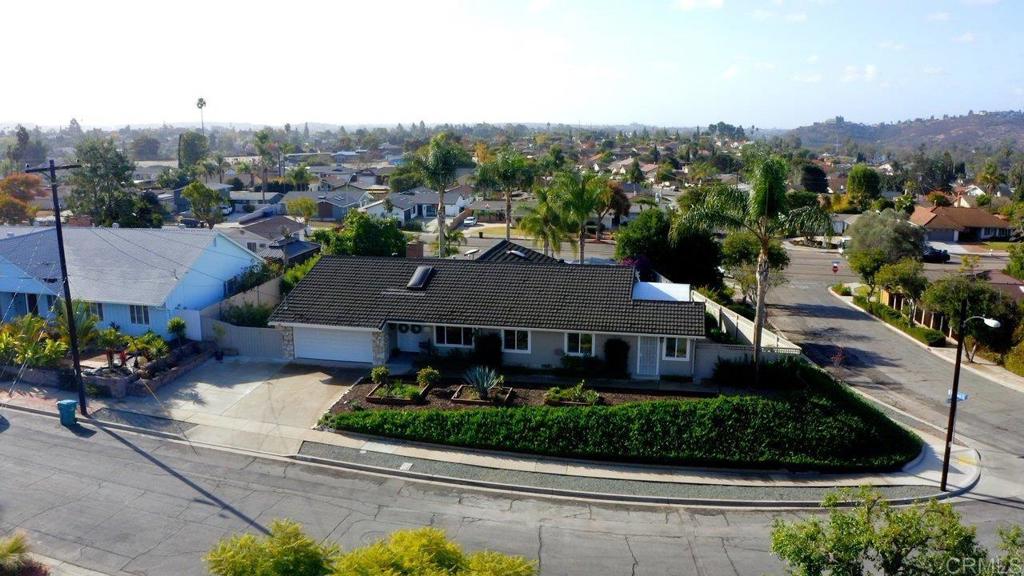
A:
<point x="287" y="341"/>
<point x="380" y="348"/>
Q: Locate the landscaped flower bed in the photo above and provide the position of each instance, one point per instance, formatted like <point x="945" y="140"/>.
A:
<point x="807" y="421"/>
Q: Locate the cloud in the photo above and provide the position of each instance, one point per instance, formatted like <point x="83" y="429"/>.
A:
<point x="965" y="38"/>
<point x="981" y="2"/>
<point x="933" y="71"/>
<point x="938" y="16"/>
<point x="865" y="73"/>
<point x="688" y="5"/>
<point x="1018" y="91"/>
<point x="730" y="72"/>
<point x="813" y="58"/>
<point x="807" y="78"/>
<point x="796" y="17"/>
<point x="891" y="45"/>
<point x="761" y="14"/>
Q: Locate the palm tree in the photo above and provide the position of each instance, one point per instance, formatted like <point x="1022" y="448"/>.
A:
<point x="453" y="240"/>
<point x="264" y="149"/>
<point x="764" y="214"/>
<point x="438" y="164"/>
<point x="201" y="103"/>
<point x="544" y="222"/>
<point x="85" y="322"/>
<point x="579" y="195"/>
<point x="991" y="177"/>
<point x="510" y="171"/>
<point x="300" y="176"/>
<point x="222" y="165"/>
<point x="246" y="167"/>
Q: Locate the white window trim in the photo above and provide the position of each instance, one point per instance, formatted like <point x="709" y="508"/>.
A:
<point x="593" y="344"/>
<point x="440" y="345"/>
<point x="664" y="352"/>
<point x="529" y="342"/>
<point x="144" y="313"/>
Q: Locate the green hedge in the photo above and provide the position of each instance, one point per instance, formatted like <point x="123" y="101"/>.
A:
<point x="894" y="318"/>
<point x="813" y="423"/>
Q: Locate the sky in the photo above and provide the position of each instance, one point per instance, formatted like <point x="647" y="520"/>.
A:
<point x="767" y="63"/>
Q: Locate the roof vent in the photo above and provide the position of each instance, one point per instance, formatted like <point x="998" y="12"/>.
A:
<point x="517" y="253"/>
<point x="420" y="278"/>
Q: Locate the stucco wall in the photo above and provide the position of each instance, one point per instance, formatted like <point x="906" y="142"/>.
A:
<point x="204" y="283"/>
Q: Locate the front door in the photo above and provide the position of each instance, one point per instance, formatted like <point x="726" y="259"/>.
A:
<point x="33" y="303"/>
<point x="647" y="357"/>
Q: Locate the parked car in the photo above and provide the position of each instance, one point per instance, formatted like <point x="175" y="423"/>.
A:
<point x="469" y="221"/>
<point x="227" y="209"/>
<point x="935" y="256"/>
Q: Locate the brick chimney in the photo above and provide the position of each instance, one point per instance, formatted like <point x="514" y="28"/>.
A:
<point x="414" y="249"/>
<point x="80" y="221"/>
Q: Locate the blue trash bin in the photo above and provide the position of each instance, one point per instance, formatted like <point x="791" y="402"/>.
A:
<point x="67" y="410"/>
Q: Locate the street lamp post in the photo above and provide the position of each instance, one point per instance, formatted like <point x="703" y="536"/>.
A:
<point x="991" y="323"/>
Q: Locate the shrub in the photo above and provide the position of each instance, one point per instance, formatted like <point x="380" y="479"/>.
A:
<point x="286" y="551"/>
<point x="293" y="275"/>
<point x="487" y="349"/>
<point x="150" y="346"/>
<point x="8" y="347"/>
<point x="616" y="357"/>
<point x="578" y="393"/>
<point x="379" y="374"/>
<point x="427" y="376"/>
<point x="580" y="366"/>
<point x="890" y="316"/>
<point x="483" y="380"/>
<point x="176" y="326"/>
<point x="253" y="277"/>
<point x="247" y="314"/>
<point x="1014" y="360"/>
<point x="43" y="353"/>
<point x="13" y="553"/>
<point x="816" y="423"/>
<point x="841" y="289"/>
<point x="398" y="389"/>
<point x="742" y="308"/>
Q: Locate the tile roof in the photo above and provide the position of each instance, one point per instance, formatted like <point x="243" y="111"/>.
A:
<point x="505" y="251"/>
<point x="271" y="228"/>
<point x="370" y="291"/>
<point x="955" y="218"/>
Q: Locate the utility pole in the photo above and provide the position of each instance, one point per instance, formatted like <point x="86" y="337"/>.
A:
<point x="68" y="308"/>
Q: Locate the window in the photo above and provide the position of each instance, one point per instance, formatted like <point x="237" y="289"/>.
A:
<point x="430" y="211"/>
<point x="250" y="246"/>
<point x="676" y="349"/>
<point x="139" y="314"/>
<point x="515" y="340"/>
<point x="453" y="336"/>
<point x="96" y="309"/>
<point x="50" y="301"/>
<point x="579" y="344"/>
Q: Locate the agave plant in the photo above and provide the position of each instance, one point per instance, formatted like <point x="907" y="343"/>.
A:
<point x="483" y="380"/>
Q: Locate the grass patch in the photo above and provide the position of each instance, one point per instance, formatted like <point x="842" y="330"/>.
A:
<point x="808" y="422"/>
<point x="891" y="317"/>
<point x="841" y="289"/>
<point x="999" y="244"/>
<point x="398" y="390"/>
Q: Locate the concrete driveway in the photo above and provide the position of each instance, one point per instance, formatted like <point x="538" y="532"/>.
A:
<point x="242" y="402"/>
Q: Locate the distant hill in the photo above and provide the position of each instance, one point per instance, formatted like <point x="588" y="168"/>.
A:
<point x="979" y="129"/>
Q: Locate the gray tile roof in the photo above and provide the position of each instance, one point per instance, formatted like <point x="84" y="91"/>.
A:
<point x="505" y="251"/>
<point x="273" y="227"/>
<point x="368" y="292"/>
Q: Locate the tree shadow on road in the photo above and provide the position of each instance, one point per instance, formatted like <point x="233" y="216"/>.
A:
<point x="212" y="498"/>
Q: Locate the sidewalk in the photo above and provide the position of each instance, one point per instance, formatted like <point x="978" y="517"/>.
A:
<point x="918" y="479"/>
<point x="60" y="568"/>
<point x="981" y="366"/>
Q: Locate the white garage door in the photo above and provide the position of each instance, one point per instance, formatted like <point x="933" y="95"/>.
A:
<point x="337" y="345"/>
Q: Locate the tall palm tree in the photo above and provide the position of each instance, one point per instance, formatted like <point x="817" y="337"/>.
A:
<point x="222" y="165"/>
<point x="764" y="214"/>
<point x="438" y="163"/>
<point x="511" y="171"/>
<point x="300" y="177"/>
<point x="201" y="103"/>
<point x="265" y="150"/>
<point x="544" y="222"/>
<point x="579" y="195"/>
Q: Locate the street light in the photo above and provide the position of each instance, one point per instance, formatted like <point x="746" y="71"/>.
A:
<point x="991" y="323"/>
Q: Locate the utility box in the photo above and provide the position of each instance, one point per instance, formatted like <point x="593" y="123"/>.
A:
<point x="67" y="410"/>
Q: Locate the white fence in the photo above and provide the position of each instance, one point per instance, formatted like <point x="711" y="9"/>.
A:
<point x="266" y="294"/>
<point x="258" y="342"/>
<point x="741" y="329"/>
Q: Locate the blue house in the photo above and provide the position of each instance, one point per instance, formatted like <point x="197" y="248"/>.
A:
<point x="135" y="278"/>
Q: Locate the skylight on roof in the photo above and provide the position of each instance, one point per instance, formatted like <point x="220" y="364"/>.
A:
<point x="420" y="278"/>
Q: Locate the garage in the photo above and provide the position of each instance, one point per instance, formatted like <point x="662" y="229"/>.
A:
<point x="336" y="345"/>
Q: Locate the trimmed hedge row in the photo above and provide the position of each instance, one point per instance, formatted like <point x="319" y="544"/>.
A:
<point x="892" y="317"/>
<point x="811" y="422"/>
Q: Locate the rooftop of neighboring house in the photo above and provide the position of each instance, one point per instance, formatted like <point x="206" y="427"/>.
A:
<point x="1004" y="283"/>
<point x="506" y="251"/>
<point x="251" y="196"/>
<point x="371" y="291"/>
<point x="125" y="265"/>
<point x="288" y="249"/>
<point x="424" y="195"/>
<point x="955" y="218"/>
<point x="273" y="227"/>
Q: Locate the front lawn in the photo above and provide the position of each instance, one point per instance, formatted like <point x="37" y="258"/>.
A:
<point x="999" y="245"/>
<point x="804" y="421"/>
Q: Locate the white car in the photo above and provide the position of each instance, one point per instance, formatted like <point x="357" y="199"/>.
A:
<point x="469" y="221"/>
<point x="226" y="210"/>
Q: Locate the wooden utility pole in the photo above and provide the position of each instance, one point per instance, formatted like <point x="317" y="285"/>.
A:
<point x="68" y="308"/>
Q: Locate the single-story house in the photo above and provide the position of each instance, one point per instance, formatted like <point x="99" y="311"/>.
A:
<point x="958" y="224"/>
<point x="426" y="200"/>
<point x="242" y="198"/>
<point x="841" y="223"/>
<point x="136" y="278"/>
<point x="366" y="309"/>
<point x="335" y="205"/>
<point x="289" y="250"/>
<point x="258" y="234"/>
<point x="401" y="208"/>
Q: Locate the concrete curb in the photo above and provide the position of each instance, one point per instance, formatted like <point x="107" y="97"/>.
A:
<point x="920" y="344"/>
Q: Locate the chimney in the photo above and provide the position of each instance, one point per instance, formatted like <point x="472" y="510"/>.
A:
<point x="414" y="249"/>
<point x="80" y="221"/>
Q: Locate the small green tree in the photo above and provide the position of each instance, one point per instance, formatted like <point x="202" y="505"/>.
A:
<point x="905" y="277"/>
<point x="867" y="263"/>
<point x="304" y="208"/>
<point x="176" y="326"/>
<point x="889" y="232"/>
<point x="947" y="295"/>
<point x="1015" y="265"/>
<point x="863" y="185"/>
<point x="205" y="203"/>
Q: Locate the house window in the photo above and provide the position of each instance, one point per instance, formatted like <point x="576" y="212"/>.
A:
<point x="96" y="309"/>
<point x="579" y="344"/>
<point x="250" y="246"/>
<point x="430" y="211"/>
<point x="515" y="340"/>
<point x="677" y="349"/>
<point x="139" y="315"/>
<point x="453" y="336"/>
